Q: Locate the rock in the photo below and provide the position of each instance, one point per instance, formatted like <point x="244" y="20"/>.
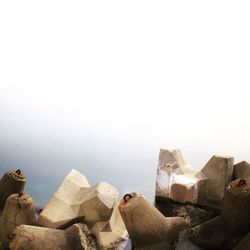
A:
<point x="76" y="237"/>
<point x="244" y="243"/>
<point x="18" y="210"/>
<point x="234" y="221"/>
<point x="75" y="199"/>
<point x="147" y="227"/>
<point x="176" y="180"/>
<point x="110" y="234"/>
<point x="11" y="183"/>
<point x="241" y="170"/>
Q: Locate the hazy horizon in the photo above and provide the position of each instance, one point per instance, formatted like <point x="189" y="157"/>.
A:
<point x="101" y="87"/>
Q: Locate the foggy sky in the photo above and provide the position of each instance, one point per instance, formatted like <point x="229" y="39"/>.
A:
<point x="102" y="86"/>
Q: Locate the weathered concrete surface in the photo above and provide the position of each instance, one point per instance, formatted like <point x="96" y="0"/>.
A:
<point x="40" y="238"/>
<point x="241" y="170"/>
<point x="98" y="202"/>
<point x="175" y="177"/>
<point x="110" y="234"/>
<point x="12" y="182"/>
<point x="210" y="234"/>
<point x="193" y="214"/>
<point x="178" y="181"/>
<point x="184" y="243"/>
<point x="233" y="223"/>
<point x="244" y="243"/>
<point x="75" y="198"/>
<point x="67" y="200"/>
<point x="236" y="207"/>
<point x="76" y="237"/>
<point x="219" y="172"/>
<point x="147" y="227"/>
<point x="170" y="162"/>
<point x="18" y="210"/>
<point x="80" y="237"/>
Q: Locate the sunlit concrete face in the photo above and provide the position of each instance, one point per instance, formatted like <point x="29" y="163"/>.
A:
<point x="102" y="87"/>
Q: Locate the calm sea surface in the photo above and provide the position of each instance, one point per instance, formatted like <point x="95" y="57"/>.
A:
<point x="45" y="170"/>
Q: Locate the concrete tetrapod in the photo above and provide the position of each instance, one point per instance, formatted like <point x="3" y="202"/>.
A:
<point x="66" y="199"/>
<point x="75" y="199"/>
<point x="75" y="237"/>
<point x="147" y="227"/>
<point x="176" y="180"/>
<point x="18" y="210"/>
<point x="173" y="174"/>
<point x="98" y="203"/>
<point x="110" y="233"/>
<point x="241" y="170"/>
<point x="12" y="182"/>
<point x="219" y="172"/>
<point x="234" y="221"/>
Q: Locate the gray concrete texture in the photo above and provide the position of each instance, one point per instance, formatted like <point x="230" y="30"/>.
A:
<point x="76" y="237"/>
<point x="147" y="227"/>
<point x="12" y="182"/>
<point x="233" y="223"/>
<point x="176" y="179"/>
<point x="18" y="210"/>
<point x="76" y="198"/>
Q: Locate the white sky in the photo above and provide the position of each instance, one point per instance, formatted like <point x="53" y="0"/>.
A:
<point x="165" y="73"/>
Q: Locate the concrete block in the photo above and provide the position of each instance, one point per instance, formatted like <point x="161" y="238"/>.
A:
<point x="183" y="188"/>
<point x="147" y="227"/>
<point x="79" y="237"/>
<point x="37" y="238"/>
<point x="75" y="198"/>
<point x="233" y="223"/>
<point x="209" y="234"/>
<point x="98" y="202"/>
<point x="12" y="182"/>
<point x="219" y="172"/>
<point x="110" y="234"/>
<point x="236" y="207"/>
<point x="67" y="200"/>
<point x="18" y="210"/>
<point x="241" y="170"/>
<point x="176" y="179"/>
<point x="76" y="237"/>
